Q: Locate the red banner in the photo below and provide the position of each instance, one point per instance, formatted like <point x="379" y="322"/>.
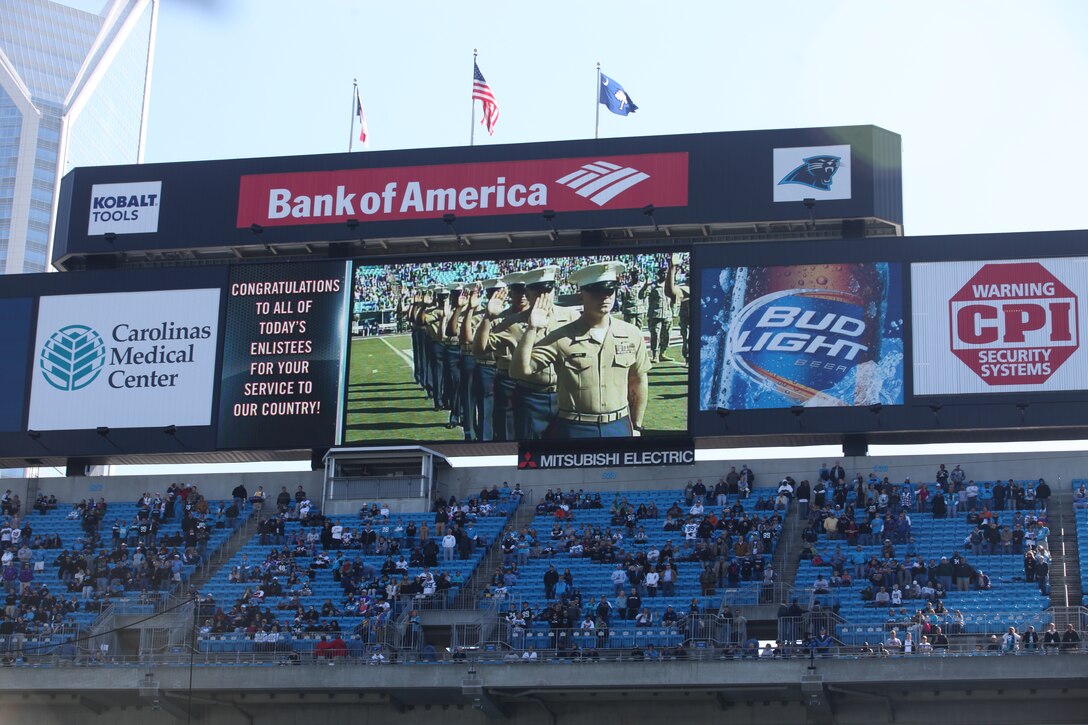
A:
<point x="484" y="189"/>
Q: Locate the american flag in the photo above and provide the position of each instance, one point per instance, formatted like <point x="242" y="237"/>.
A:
<point x="482" y="92"/>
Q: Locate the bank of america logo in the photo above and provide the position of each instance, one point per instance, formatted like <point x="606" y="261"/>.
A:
<point x="601" y="181"/>
<point x="72" y="357"/>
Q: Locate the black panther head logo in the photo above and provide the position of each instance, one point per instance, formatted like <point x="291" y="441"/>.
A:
<point x="815" y="172"/>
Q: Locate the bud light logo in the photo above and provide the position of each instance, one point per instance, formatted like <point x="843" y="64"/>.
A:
<point x="801" y="342"/>
<point x="125" y="208"/>
<point x="815" y="335"/>
<point x="72" y="357"/>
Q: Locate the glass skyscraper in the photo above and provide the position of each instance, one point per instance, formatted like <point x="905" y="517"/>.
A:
<point x="73" y="92"/>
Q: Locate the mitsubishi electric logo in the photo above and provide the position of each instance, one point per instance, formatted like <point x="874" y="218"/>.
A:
<point x="601" y="181"/>
<point x="72" y="357"/>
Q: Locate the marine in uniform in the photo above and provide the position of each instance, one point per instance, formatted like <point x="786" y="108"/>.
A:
<point x="484" y="369"/>
<point x="495" y="338"/>
<point x="659" y="312"/>
<point x="418" y="367"/>
<point x="451" y="342"/>
<point x="601" y="363"/>
<point x="681" y="296"/>
<point x="434" y="319"/>
<point x="535" y="398"/>
<point x="631" y="299"/>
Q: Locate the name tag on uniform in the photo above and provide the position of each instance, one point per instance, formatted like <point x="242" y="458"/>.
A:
<point x="623" y="347"/>
<point x="575" y="355"/>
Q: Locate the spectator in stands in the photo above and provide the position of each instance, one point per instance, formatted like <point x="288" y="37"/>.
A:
<point x="1052" y="639"/>
<point x="1042" y="494"/>
<point x="1010" y="642"/>
<point x="257" y="499"/>
<point x="1029" y="640"/>
<point x="1080" y="497"/>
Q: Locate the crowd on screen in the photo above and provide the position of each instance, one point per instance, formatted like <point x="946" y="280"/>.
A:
<point x="380" y="287"/>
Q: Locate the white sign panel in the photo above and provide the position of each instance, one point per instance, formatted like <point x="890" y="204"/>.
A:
<point x="125" y="208"/>
<point x="999" y="327"/>
<point x="812" y="172"/>
<point x="125" y="360"/>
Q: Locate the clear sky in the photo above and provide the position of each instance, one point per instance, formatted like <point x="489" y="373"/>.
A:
<point x="989" y="97"/>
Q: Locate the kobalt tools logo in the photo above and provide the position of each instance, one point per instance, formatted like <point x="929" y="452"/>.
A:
<point x="1014" y="324"/>
<point x="602" y="181"/>
<point x="72" y="357"/>
<point x="125" y="208"/>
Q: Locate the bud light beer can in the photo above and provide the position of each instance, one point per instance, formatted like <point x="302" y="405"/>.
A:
<point x="809" y="335"/>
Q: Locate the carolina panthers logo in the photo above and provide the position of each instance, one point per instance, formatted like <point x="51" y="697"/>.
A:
<point x="815" y="172"/>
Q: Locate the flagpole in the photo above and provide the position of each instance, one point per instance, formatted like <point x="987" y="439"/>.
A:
<point x="472" y="124"/>
<point x="354" y="110"/>
<point x="597" y="104"/>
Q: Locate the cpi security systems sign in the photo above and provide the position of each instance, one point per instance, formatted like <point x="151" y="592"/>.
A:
<point x="125" y="360"/>
<point x="1006" y="326"/>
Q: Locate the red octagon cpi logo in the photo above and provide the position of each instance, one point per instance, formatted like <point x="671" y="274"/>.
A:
<point x="1014" y="324"/>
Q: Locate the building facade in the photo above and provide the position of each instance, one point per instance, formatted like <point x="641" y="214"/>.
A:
<point x="74" y="89"/>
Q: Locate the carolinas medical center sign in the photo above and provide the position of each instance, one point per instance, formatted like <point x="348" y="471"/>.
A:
<point x="493" y="188"/>
<point x="124" y="360"/>
<point x="1000" y="326"/>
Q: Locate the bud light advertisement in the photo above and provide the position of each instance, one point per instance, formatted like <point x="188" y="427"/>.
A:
<point x="820" y="335"/>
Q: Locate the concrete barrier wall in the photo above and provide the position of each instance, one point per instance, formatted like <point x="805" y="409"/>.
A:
<point x="1057" y="468"/>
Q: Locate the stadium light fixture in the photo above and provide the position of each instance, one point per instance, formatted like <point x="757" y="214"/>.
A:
<point x="1022" y="406"/>
<point x="352" y="223"/>
<point x="102" y="430"/>
<point x="723" y="414"/>
<point x="451" y="221"/>
<point x="170" y="430"/>
<point x="649" y="210"/>
<point x="256" y="228"/>
<point x="110" y="237"/>
<point x="549" y="216"/>
<point x="936" y="408"/>
<point x="35" y="434"/>
<point x="798" y="411"/>
<point x="810" y="204"/>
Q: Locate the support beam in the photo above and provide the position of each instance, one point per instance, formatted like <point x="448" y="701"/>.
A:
<point x="93" y="705"/>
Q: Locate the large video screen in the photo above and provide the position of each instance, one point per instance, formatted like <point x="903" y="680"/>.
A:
<point x="999" y="326"/>
<point x="440" y="351"/>
<point x="818" y="335"/>
<point x="283" y="355"/>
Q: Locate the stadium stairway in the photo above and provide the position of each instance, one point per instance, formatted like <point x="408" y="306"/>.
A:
<point x="1065" y="578"/>
<point x="478" y="582"/>
<point x="245" y="529"/>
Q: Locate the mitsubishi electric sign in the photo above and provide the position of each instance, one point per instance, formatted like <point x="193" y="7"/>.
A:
<point x="124" y="360"/>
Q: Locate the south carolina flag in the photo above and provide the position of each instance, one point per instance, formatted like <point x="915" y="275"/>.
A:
<point x="615" y="98"/>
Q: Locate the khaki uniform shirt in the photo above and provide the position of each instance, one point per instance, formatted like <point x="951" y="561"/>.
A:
<point x="632" y="300"/>
<point x="507" y="332"/>
<point x="659" y="305"/>
<point x="432" y="322"/>
<point x="592" y="376"/>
